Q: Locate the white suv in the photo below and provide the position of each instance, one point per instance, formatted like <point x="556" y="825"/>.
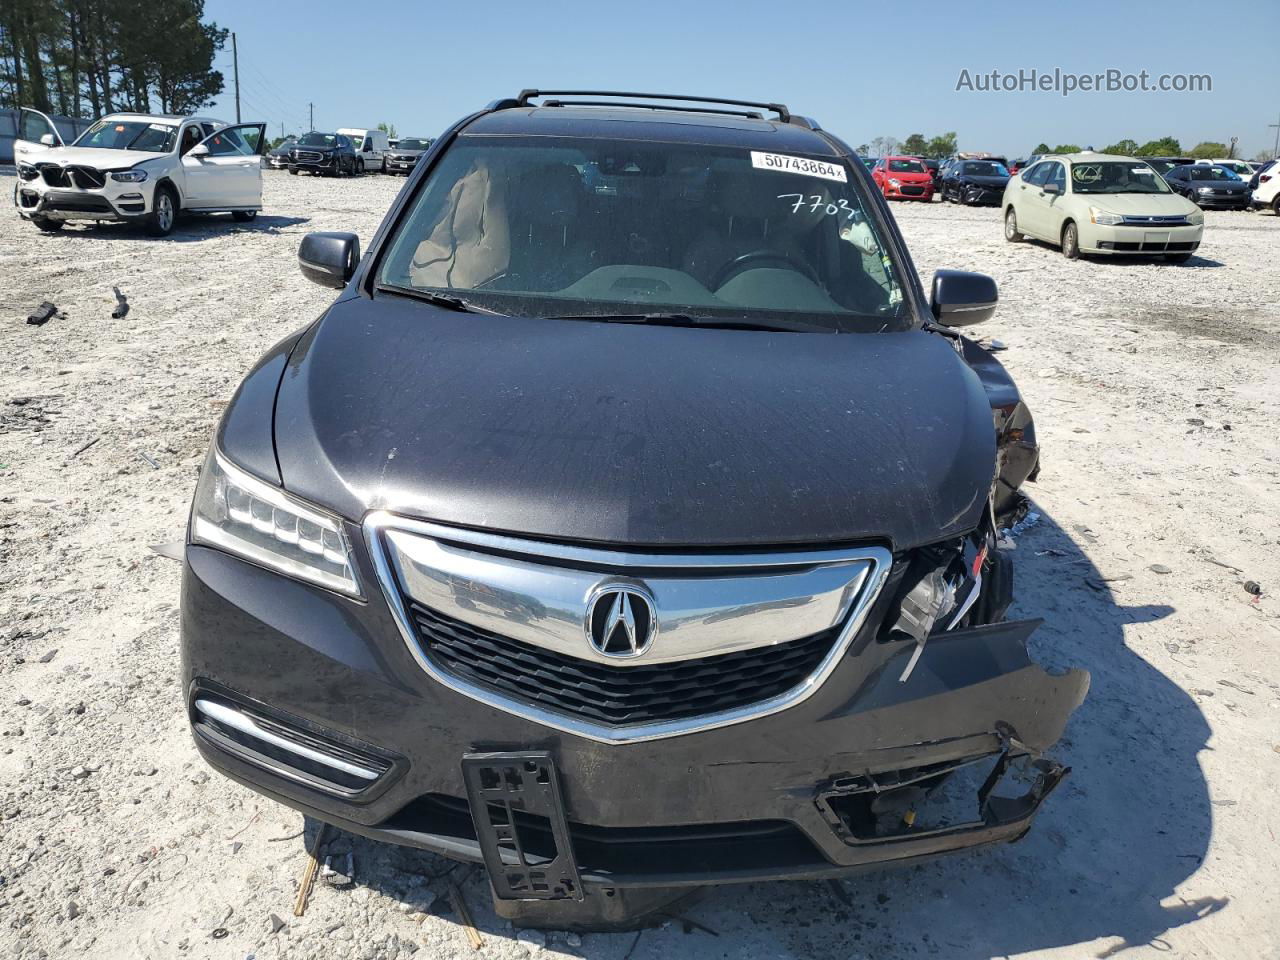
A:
<point x="137" y="167"/>
<point x="1267" y="192"/>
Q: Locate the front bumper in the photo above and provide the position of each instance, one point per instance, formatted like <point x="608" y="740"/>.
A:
<point x="112" y="201"/>
<point x="909" y="191"/>
<point x="1234" y="201"/>
<point x="780" y="796"/>
<point x="320" y="166"/>
<point x="978" y="194"/>
<point x="400" y="166"/>
<point x="1139" y="241"/>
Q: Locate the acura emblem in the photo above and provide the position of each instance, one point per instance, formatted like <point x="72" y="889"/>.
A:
<point x="620" y="621"/>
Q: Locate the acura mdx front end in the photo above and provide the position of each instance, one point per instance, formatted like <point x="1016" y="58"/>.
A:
<point x="627" y="525"/>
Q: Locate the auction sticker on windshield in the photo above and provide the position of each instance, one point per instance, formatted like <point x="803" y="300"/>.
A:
<point x="802" y="165"/>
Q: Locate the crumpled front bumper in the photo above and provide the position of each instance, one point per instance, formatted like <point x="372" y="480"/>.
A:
<point x="112" y="201"/>
<point x="814" y="791"/>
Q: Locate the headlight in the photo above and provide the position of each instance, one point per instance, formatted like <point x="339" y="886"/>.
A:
<point x="252" y="519"/>
<point x="27" y="172"/>
<point x="894" y="183"/>
<point x="1204" y="190"/>
<point x="1098" y="215"/>
<point x="129" y="176"/>
<point x="1196" y="217"/>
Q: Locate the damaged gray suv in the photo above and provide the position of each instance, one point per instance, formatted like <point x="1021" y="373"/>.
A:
<point x="628" y="524"/>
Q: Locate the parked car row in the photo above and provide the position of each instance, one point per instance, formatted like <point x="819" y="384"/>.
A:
<point x="149" y="168"/>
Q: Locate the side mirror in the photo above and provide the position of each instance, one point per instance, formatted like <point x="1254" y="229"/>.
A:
<point x="961" y="298"/>
<point x="329" y="259"/>
<point x="199" y="150"/>
<point x="47" y="139"/>
<point x="1052" y="188"/>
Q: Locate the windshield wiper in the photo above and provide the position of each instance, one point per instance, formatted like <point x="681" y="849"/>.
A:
<point x="687" y="320"/>
<point x="446" y="301"/>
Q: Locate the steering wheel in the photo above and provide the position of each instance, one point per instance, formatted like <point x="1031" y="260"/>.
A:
<point x="737" y="264"/>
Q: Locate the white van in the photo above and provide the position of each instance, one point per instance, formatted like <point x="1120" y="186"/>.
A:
<point x="371" y="148"/>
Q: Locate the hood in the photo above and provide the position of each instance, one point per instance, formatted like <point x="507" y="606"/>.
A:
<point x="97" y="157"/>
<point x="410" y="154"/>
<point x="320" y="148"/>
<point x="626" y="434"/>
<point x="1235" y="186"/>
<point x="982" y="181"/>
<point x="908" y="177"/>
<point x="1140" y="204"/>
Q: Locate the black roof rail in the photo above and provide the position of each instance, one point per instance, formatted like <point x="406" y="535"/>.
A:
<point x="526" y="95"/>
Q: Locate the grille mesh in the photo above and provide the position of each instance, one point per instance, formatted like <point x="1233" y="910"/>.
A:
<point x="617" y="695"/>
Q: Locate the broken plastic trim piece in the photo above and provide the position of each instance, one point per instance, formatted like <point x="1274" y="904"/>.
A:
<point x="993" y="811"/>
<point x="502" y="789"/>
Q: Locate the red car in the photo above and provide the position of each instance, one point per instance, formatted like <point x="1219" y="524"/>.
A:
<point x="903" y="178"/>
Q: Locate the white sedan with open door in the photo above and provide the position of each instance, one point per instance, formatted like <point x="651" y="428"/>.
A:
<point x="137" y="167"/>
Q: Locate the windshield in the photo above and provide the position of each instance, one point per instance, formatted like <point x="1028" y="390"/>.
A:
<point x="574" y="227"/>
<point x="1204" y="172"/>
<point x="318" y="140"/>
<point x="129" y="135"/>
<point x="985" y="168"/>
<point x="1131" y="176"/>
<point x="906" y="166"/>
<point x="413" y="143"/>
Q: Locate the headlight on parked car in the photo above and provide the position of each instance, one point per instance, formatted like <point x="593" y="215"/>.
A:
<point x="254" y="520"/>
<point x="894" y="183"/>
<point x="1204" y="189"/>
<point x="129" y="176"/>
<point x="27" y="172"/>
<point x="1098" y="215"/>
<point x="1196" y="217"/>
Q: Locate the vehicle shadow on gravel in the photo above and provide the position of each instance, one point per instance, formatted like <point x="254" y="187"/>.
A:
<point x="1100" y="867"/>
<point x="190" y="228"/>
<point x="1195" y="262"/>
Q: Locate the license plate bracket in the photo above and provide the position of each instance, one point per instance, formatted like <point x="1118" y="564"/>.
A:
<point x="515" y="793"/>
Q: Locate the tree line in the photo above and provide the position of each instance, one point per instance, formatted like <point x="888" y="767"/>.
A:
<point x="86" y="58"/>
<point x="1164" y="147"/>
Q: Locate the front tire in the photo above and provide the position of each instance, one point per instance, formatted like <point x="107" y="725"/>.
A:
<point x="1275" y="204"/>
<point x="46" y="225"/>
<point x="1011" y="227"/>
<point x="360" y="167"/>
<point x="1071" y="241"/>
<point x="164" y="212"/>
<point x="294" y="171"/>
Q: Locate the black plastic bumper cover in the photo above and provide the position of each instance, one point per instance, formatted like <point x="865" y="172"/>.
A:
<point x="740" y="803"/>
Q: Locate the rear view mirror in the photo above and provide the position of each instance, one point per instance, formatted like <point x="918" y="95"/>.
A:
<point x="1052" y="188"/>
<point x="329" y="259"/>
<point x="47" y="139"/>
<point x="960" y="298"/>
<point x="199" y="150"/>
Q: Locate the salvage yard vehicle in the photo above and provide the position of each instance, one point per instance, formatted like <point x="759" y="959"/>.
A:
<point x="974" y="181"/>
<point x="371" y="148"/>
<point x="1240" y="168"/>
<point x="1209" y="185"/>
<point x="1095" y="203"/>
<point x="326" y="154"/>
<point x="278" y="158"/>
<point x="140" y="168"/>
<point x="406" y="154"/>
<point x="1267" y="191"/>
<point x="628" y="523"/>
<point x="903" y="178"/>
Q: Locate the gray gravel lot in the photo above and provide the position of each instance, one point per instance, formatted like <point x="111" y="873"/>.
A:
<point x="1157" y="392"/>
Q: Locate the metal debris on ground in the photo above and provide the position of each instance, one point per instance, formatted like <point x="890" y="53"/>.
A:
<point x="338" y="878"/>
<point x="154" y="465"/>
<point x="85" y="446"/>
<point x="122" y="305"/>
<point x="1253" y="588"/>
<point x="43" y="314"/>
<point x="1009" y="534"/>
<point x="464" y="916"/>
<point x="309" y="874"/>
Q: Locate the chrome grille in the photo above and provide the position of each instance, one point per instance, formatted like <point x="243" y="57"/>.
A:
<point x="308" y="156"/>
<point x="512" y="623"/>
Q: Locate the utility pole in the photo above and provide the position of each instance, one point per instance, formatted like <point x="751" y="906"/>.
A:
<point x="1276" y="151"/>
<point x="311" y="109"/>
<point x="235" y="64"/>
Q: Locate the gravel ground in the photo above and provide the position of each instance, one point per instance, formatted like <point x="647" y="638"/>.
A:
<point x="1157" y="395"/>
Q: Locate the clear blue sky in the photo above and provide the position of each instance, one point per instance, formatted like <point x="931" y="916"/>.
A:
<point x="862" y="69"/>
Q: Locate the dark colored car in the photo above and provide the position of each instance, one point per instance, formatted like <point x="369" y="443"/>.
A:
<point x="328" y="154"/>
<point x="627" y="531"/>
<point x="278" y="158"/>
<point x="1162" y="165"/>
<point x="975" y="182"/>
<point x="402" y="157"/>
<point x="1210" y="185"/>
<point x="933" y="166"/>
